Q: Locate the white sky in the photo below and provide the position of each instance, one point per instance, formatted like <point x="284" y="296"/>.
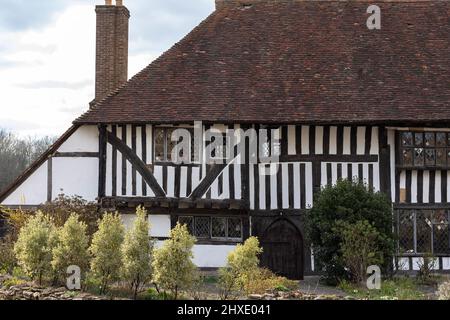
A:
<point x="47" y="55"/>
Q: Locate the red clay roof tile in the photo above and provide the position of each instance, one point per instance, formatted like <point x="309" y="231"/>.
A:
<point x="297" y="62"/>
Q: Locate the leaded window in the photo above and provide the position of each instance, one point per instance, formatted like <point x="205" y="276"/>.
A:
<point x="425" y="149"/>
<point x="202" y="227"/>
<point x="189" y="222"/>
<point x="423" y="231"/>
<point x="164" y="145"/>
<point x="214" y="228"/>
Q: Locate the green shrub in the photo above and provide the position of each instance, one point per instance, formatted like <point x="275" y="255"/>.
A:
<point x="16" y="219"/>
<point x="33" y="249"/>
<point x="359" y="248"/>
<point x="63" y="206"/>
<point x="7" y="257"/>
<point x="242" y="263"/>
<point x="153" y="294"/>
<point x="137" y="253"/>
<point x="13" y="281"/>
<point x="198" y="290"/>
<point x="106" y="260"/>
<point x="72" y="247"/>
<point x="173" y="268"/>
<point x="260" y="280"/>
<point x="426" y="267"/>
<point x="348" y="202"/>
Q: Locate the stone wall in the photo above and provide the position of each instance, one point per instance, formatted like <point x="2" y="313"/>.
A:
<point x="28" y="291"/>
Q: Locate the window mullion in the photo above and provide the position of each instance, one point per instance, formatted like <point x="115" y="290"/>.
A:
<point x="432" y="233"/>
<point x="226" y="229"/>
<point x="415" y="230"/>
<point x="448" y="230"/>
<point x="210" y="227"/>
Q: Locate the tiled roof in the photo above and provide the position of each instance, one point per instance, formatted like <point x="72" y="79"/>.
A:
<point x="297" y="62"/>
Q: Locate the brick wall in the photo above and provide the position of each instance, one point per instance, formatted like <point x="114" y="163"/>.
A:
<point x="111" y="49"/>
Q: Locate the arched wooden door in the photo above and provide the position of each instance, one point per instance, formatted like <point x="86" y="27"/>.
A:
<point x="283" y="250"/>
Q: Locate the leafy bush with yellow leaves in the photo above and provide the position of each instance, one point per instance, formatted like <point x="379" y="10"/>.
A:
<point x="34" y="246"/>
<point x="173" y="268"/>
<point x="72" y="247"/>
<point x="137" y="253"/>
<point x="106" y="260"/>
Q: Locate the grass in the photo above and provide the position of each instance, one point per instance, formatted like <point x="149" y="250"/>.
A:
<point x="396" y="289"/>
<point x="8" y="283"/>
<point x="210" y="280"/>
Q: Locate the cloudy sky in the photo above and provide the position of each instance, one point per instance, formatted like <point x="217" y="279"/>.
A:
<point x="47" y="55"/>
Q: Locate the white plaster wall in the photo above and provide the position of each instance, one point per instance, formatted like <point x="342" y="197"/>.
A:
<point x="33" y="191"/>
<point x="85" y="139"/>
<point x="208" y="256"/>
<point x="403" y="264"/>
<point x="446" y="263"/>
<point x="417" y="262"/>
<point x="160" y="224"/>
<point x="75" y="176"/>
<point x="211" y="256"/>
<point x="128" y="220"/>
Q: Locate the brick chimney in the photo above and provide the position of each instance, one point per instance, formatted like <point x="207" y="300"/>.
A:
<point x="235" y="3"/>
<point x="111" y="68"/>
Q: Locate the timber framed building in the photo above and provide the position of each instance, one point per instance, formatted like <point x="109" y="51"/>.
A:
<point x="349" y="102"/>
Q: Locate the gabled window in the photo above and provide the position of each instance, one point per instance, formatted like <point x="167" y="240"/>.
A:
<point x="425" y="149"/>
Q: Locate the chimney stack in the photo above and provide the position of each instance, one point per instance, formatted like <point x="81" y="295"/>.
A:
<point x="236" y="3"/>
<point x="111" y="68"/>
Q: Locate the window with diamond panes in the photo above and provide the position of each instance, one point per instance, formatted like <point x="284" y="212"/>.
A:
<point x="215" y="228"/>
<point x="234" y="228"/>
<point x="189" y="222"/>
<point x="202" y="227"/>
<point x="424" y="231"/>
<point x="425" y="149"/>
<point x="219" y="228"/>
<point x="406" y="231"/>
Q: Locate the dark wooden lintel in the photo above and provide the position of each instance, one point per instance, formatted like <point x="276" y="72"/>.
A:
<point x="76" y="155"/>
<point x="172" y="203"/>
<point x="330" y="158"/>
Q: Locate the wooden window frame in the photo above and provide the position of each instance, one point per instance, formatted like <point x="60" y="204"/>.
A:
<point x="400" y="148"/>
<point x="414" y="211"/>
<point x="166" y="140"/>
<point x="225" y="239"/>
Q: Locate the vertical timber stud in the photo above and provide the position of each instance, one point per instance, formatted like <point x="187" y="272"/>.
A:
<point x="102" y="162"/>
<point x="385" y="163"/>
<point x="49" y="179"/>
